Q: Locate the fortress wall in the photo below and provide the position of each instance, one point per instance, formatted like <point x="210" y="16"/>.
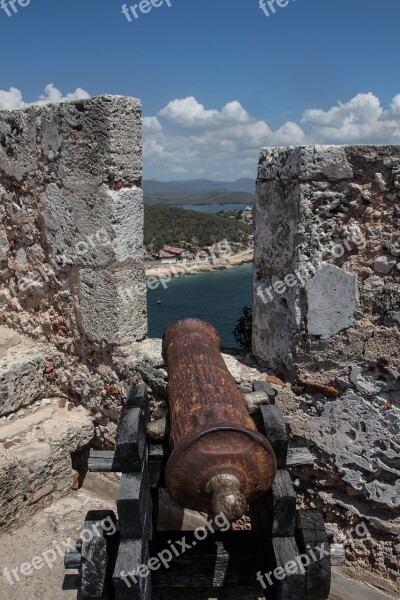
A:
<point x="327" y="308"/>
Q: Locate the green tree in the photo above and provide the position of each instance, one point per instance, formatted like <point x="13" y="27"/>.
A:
<point x="243" y="329"/>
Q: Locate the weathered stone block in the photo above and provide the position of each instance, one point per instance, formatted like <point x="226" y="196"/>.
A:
<point x="331" y="300"/>
<point x="98" y="137"/>
<point x="90" y="225"/>
<point x="112" y="304"/>
<point x="304" y="163"/>
<point x="18" y="143"/>
<point x="22" y="365"/>
<point x="333" y="206"/>
<point x="72" y="195"/>
<point x="326" y="300"/>
<point x="37" y="467"/>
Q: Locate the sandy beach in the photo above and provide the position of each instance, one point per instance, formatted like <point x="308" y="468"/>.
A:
<point x="187" y="268"/>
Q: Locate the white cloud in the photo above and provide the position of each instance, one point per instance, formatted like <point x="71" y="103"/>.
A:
<point x="189" y="137"/>
<point x="151" y="125"/>
<point x="187" y="112"/>
<point x="361" y="120"/>
<point x="198" y="140"/>
<point x="13" y="98"/>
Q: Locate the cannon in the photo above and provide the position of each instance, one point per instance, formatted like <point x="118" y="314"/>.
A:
<point x="219" y="461"/>
<point x="217" y="452"/>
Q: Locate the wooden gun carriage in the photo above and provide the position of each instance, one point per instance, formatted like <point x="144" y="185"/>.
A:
<point x="223" y="460"/>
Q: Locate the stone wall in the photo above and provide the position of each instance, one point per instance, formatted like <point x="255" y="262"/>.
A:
<point x="327" y="317"/>
<point x="72" y="289"/>
<point x="71" y="224"/>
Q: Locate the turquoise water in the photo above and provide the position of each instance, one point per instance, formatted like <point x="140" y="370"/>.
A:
<point x="217" y="297"/>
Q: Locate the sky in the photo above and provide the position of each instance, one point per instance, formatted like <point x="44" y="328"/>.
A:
<point x="218" y="79"/>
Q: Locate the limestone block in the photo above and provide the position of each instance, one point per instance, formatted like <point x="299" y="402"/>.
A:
<point x="308" y="207"/>
<point x="331" y="300"/>
<point x="37" y="466"/>
<point x="304" y="163"/>
<point x="22" y="365"/>
<point x="18" y="143"/>
<point x="112" y="304"/>
<point x="101" y="137"/>
<point x="89" y="225"/>
<point x="148" y="361"/>
<point x="34" y="455"/>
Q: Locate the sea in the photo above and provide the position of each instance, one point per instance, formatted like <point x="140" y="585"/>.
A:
<point x="216" y="296"/>
<point x="212" y="209"/>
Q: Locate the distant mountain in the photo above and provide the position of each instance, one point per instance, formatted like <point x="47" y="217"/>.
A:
<point x="199" y="191"/>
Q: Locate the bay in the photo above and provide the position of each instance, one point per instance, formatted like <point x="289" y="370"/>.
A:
<point x="217" y="297"/>
<point x="212" y="209"/>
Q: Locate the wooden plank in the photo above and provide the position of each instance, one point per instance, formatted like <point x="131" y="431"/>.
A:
<point x="273" y="427"/>
<point x="128" y="584"/>
<point x="273" y="515"/>
<point x="283" y="505"/>
<point x="158" y="458"/>
<point x="222" y="559"/>
<point x="137" y="398"/>
<point x="312" y="539"/>
<point x="290" y="578"/>
<point x="96" y="553"/>
<point x="261" y="524"/>
<point x="135" y="506"/>
<point x="72" y="558"/>
<point x="131" y="439"/>
<point x="105" y="461"/>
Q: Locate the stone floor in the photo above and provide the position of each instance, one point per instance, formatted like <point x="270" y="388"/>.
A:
<point x="54" y="525"/>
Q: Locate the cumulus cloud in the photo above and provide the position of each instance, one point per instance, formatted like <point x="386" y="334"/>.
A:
<point x="13" y="98"/>
<point x="151" y="125"/>
<point x="361" y="120"/>
<point x="189" y="113"/>
<point x="188" y="137"/>
<point x="197" y="140"/>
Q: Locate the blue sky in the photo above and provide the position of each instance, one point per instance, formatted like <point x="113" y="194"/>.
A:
<point x="280" y="78"/>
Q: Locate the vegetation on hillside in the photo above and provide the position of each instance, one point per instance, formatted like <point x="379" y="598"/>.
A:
<point x="243" y="329"/>
<point x="168" y="225"/>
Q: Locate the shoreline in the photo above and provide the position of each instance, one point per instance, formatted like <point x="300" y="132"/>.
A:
<point x="178" y="270"/>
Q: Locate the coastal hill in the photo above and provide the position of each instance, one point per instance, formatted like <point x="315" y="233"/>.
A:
<point x="169" y="225"/>
<point x="199" y="191"/>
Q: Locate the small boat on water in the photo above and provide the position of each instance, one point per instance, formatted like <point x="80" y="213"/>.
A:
<point x="159" y="300"/>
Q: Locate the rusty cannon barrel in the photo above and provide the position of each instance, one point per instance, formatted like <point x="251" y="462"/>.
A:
<point x="219" y="461"/>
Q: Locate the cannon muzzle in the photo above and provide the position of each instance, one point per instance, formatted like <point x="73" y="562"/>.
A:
<point x="219" y="461"/>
